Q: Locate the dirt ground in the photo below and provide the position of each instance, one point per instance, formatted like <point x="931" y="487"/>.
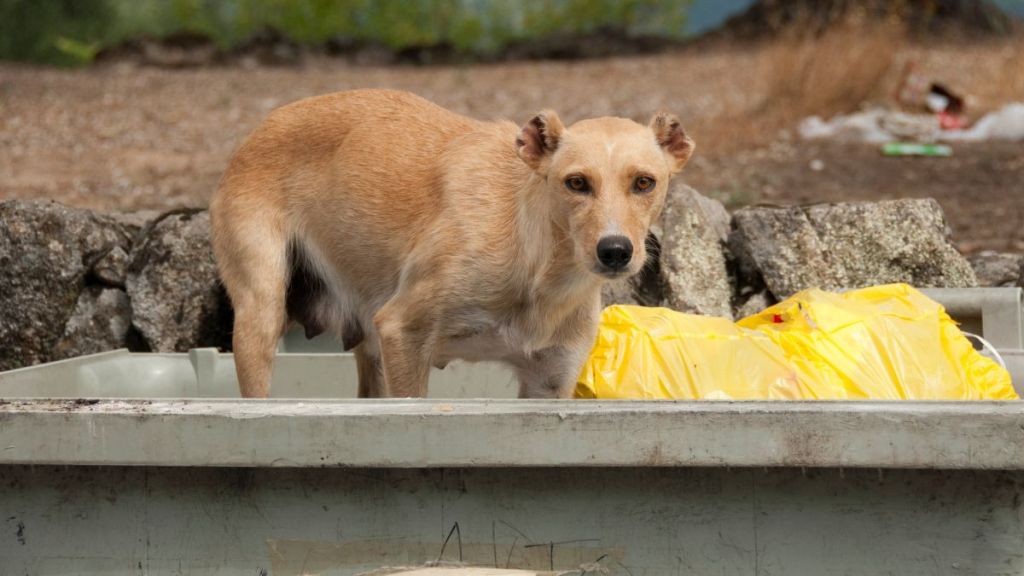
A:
<point x="119" y="136"/>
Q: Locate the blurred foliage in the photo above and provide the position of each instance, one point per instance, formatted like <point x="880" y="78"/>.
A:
<point x="53" y="30"/>
<point x="72" y="31"/>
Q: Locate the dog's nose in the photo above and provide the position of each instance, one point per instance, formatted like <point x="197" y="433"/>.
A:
<point x="615" y="252"/>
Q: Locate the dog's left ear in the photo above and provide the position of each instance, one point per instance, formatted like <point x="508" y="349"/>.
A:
<point x="672" y="139"/>
<point x="538" y="138"/>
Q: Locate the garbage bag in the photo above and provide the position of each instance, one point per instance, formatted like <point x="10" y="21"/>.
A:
<point x="886" y="342"/>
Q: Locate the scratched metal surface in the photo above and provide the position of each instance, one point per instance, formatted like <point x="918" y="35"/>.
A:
<point x="511" y="433"/>
<point x="119" y="520"/>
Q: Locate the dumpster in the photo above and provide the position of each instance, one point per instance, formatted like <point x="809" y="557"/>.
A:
<point x="123" y="463"/>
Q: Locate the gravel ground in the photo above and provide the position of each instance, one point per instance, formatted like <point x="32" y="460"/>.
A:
<point x="119" y="136"/>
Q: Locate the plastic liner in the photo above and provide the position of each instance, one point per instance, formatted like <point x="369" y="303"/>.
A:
<point x="886" y="342"/>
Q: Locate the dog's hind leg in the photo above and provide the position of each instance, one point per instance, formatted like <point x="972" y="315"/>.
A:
<point x="371" y="377"/>
<point x="253" y="262"/>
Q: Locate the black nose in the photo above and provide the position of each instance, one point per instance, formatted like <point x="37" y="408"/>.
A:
<point x="614" y="251"/>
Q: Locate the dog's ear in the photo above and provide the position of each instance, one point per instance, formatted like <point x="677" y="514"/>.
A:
<point x="672" y="139"/>
<point x="538" y="138"/>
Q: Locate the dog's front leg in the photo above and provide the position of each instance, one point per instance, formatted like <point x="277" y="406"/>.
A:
<point x="405" y="349"/>
<point x="551" y="372"/>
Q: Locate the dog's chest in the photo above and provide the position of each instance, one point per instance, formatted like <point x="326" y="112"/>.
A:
<point x="475" y="346"/>
<point x="482" y="336"/>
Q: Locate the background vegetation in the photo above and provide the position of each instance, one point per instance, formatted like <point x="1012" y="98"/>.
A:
<point x="74" y="31"/>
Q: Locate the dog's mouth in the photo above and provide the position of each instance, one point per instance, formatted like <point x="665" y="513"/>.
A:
<point x="611" y="273"/>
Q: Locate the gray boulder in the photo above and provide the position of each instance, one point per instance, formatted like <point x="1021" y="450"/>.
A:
<point x="753" y="304"/>
<point x="46" y="253"/>
<point x="100" y="322"/>
<point x="748" y="287"/>
<point x="891" y="241"/>
<point x="997" y="268"/>
<point x="112" y="269"/>
<point x="781" y="245"/>
<point x="850" y="245"/>
<point x="177" y="300"/>
<point x="621" y="292"/>
<point x="693" y="262"/>
<point x="134" y="222"/>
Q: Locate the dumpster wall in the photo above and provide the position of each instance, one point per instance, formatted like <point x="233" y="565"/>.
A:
<point x="116" y="520"/>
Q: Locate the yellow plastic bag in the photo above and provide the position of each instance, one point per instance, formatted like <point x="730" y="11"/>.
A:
<point x="886" y="342"/>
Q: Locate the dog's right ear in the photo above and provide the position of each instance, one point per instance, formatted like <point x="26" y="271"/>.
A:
<point x="538" y="138"/>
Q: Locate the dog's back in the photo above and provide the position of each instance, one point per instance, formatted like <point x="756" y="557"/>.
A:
<point x="360" y="156"/>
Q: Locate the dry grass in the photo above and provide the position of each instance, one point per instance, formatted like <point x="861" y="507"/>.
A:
<point x="804" y="75"/>
<point x="131" y="137"/>
<point x="1013" y="79"/>
<point x="831" y="74"/>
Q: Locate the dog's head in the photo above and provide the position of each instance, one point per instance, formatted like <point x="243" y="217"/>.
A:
<point x="608" y="178"/>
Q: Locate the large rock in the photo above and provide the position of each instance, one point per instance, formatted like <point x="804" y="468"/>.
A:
<point x="850" y="245"/>
<point x="693" y="262"/>
<point x="46" y="252"/>
<point x="753" y="304"/>
<point x="997" y="268"/>
<point x="781" y="245"/>
<point x="112" y="269"/>
<point x="134" y="222"/>
<point x="100" y="322"/>
<point x="620" y="292"/>
<point x="749" y="293"/>
<point x="892" y="241"/>
<point x="177" y="300"/>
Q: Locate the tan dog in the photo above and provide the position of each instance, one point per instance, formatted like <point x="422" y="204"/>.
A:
<point x="421" y="236"/>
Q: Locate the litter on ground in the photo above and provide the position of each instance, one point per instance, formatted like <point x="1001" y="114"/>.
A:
<point x="880" y="126"/>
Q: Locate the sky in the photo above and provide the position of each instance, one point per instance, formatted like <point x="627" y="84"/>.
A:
<point x="706" y="14"/>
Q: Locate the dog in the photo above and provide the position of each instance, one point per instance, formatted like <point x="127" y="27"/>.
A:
<point x="420" y="236"/>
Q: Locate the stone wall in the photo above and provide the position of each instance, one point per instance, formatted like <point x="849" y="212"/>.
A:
<point x="75" y="282"/>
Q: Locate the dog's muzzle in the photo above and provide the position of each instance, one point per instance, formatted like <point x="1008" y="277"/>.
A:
<point x="614" y="253"/>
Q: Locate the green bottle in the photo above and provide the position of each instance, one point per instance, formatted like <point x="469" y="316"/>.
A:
<point x="910" y="149"/>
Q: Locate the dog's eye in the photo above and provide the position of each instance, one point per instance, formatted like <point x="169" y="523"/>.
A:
<point x="577" y="184"/>
<point x="643" y="184"/>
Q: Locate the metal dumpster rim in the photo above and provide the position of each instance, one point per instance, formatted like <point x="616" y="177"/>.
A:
<point x="407" y="433"/>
